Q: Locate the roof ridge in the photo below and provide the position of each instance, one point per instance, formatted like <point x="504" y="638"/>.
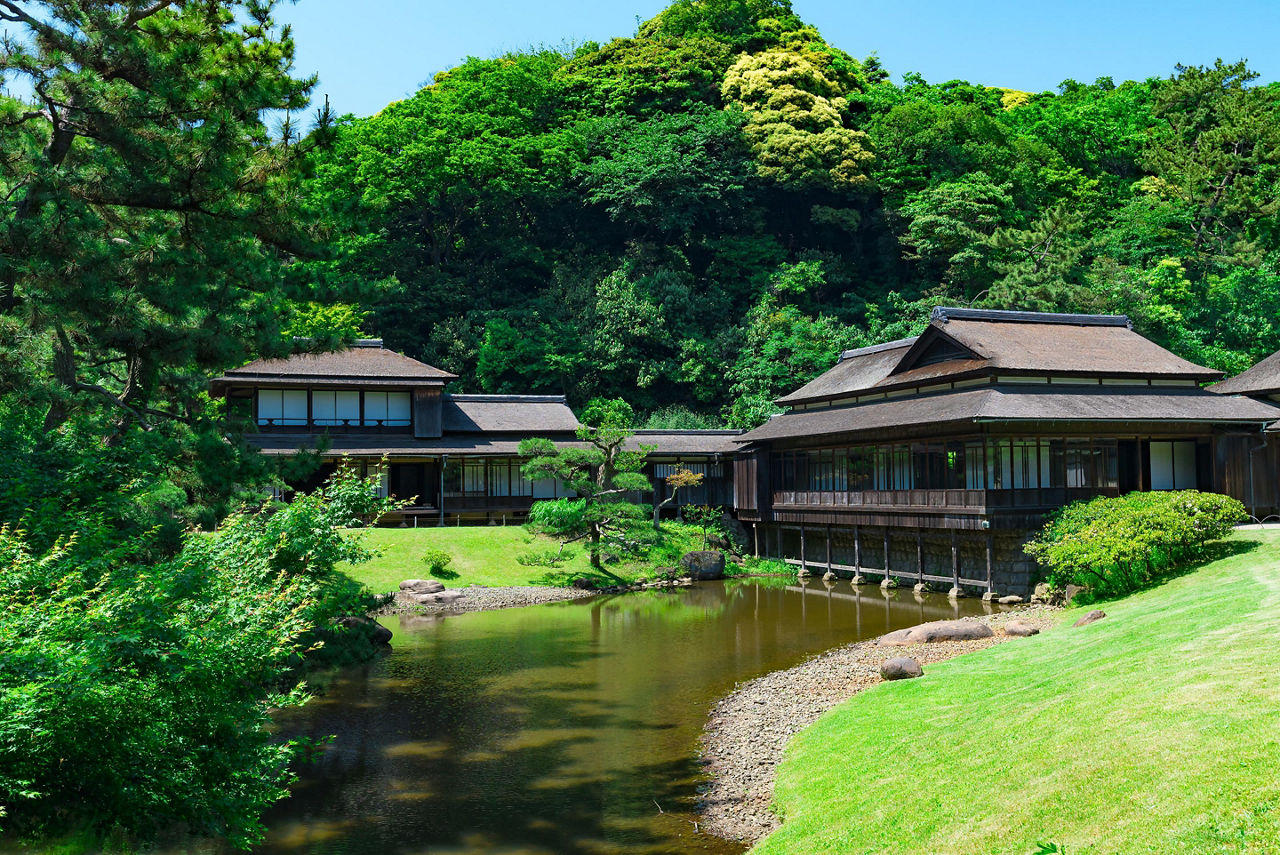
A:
<point x="689" y="431"/>
<point x="876" y="348"/>
<point x="508" y="399"/>
<point x="955" y="313"/>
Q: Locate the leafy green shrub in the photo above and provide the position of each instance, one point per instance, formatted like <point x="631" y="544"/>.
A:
<point x="706" y="518"/>
<point x="135" y="695"/>
<point x="436" y="560"/>
<point x="545" y="557"/>
<point x="768" y="567"/>
<point x="1113" y="546"/>
<point x="558" y="516"/>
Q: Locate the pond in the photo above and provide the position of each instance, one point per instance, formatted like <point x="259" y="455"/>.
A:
<point x="561" y="729"/>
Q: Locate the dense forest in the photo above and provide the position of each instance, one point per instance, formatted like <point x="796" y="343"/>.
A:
<point x="695" y="219"/>
<point x="701" y="216"/>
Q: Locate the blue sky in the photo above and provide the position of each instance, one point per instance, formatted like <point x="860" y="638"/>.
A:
<point x="376" y="52"/>
<point x="372" y="53"/>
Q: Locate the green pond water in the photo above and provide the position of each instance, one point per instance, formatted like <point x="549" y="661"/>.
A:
<point x="565" y="728"/>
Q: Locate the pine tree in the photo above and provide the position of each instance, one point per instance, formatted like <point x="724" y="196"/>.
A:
<point x="146" y="214"/>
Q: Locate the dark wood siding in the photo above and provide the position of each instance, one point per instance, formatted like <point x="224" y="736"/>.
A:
<point x="426" y="413"/>
<point x="745" y="467"/>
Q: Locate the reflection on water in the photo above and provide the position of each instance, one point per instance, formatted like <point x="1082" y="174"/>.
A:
<point x="566" y="728"/>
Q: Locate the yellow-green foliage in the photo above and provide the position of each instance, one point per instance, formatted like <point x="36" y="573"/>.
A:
<point x="1013" y="98"/>
<point x="796" y="120"/>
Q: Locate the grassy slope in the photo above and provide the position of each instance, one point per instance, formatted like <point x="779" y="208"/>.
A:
<point x="486" y="555"/>
<point x="1156" y="729"/>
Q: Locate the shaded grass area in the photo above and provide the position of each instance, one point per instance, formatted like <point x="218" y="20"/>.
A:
<point x="1156" y="729"/>
<point x="486" y="555"/>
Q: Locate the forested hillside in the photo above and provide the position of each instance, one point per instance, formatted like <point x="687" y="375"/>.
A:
<point x="702" y="215"/>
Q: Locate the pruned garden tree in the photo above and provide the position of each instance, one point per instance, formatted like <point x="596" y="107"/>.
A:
<point x="708" y="518"/>
<point x="601" y="470"/>
<point x="676" y="481"/>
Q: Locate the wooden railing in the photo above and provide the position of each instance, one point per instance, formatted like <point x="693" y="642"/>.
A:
<point x="487" y="503"/>
<point x="917" y="500"/>
<point x="334" y="426"/>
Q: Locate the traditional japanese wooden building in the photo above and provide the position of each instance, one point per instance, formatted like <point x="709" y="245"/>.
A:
<point x="1256" y="461"/>
<point x="456" y="455"/>
<point x="709" y="453"/>
<point x="930" y="459"/>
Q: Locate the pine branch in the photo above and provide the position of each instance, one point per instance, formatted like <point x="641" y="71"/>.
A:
<point x="146" y="12"/>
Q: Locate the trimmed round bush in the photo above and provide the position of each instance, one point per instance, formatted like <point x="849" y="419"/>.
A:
<point x="1114" y="546"/>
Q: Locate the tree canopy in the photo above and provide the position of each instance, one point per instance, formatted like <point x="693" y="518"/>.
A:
<point x="613" y="220"/>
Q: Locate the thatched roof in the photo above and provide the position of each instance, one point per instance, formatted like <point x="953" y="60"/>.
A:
<point x="1261" y="379"/>
<point x="397" y="445"/>
<point x="1020" y="403"/>
<point x="965" y="343"/>
<point x="856" y="370"/>
<point x="501" y="444"/>
<point x="522" y="414"/>
<point x="689" y="442"/>
<point x="367" y="364"/>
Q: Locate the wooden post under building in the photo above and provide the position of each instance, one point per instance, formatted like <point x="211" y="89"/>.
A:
<point x="955" y="562"/>
<point x="828" y="549"/>
<point x="919" y="558"/>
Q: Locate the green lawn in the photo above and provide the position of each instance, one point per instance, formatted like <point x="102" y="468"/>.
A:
<point x="486" y="555"/>
<point x="1155" y="730"/>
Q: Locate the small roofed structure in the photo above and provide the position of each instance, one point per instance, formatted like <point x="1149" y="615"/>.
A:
<point x="456" y="456"/>
<point x="1261" y="464"/>
<point x="933" y="457"/>
<point x="708" y="453"/>
<point x="1260" y="381"/>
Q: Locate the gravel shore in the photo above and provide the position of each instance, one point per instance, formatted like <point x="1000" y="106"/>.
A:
<point x="478" y="599"/>
<point x="747" y="732"/>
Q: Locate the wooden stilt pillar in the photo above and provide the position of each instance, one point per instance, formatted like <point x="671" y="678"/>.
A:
<point x="920" y="586"/>
<point x="955" y="567"/>
<point x="830" y="573"/>
<point x="990" y="549"/>
<point x="887" y="581"/>
<point x="755" y="540"/>
<point x="857" y="556"/>
<point x="804" y="566"/>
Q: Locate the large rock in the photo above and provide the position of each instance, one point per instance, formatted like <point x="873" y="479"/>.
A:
<point x="1020" y="629"/>
<point x="900" y="668"/>
<point x="421" y="586"/>
<point x="936" y="631"/>
<point x="701" y="564"/>
<point x="1095" y="615"/>
<point x="437" y="597"/>
<point x="715" y="541"/>
<point x="377" y="633"/>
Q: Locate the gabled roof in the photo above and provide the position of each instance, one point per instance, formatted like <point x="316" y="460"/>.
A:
<point x="856" y="369"/>
<point x="1261" y="379"/>
<point x="367" y="363"/>
<point x="524" y="414"/>
<point x="1019" y="404"/>
<point x="963" y="343"/>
